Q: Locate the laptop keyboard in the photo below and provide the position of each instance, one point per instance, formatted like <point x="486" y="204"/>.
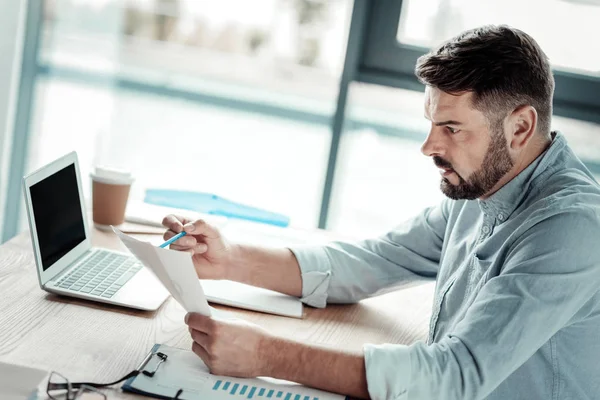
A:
<point x="102" y="274"/>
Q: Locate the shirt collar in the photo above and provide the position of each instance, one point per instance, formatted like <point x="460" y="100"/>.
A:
<point x="501" y="204"/>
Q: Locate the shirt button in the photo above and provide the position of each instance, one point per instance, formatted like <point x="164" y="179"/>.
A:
<point x="486" y="229"/>
<point x="501" y="217"/>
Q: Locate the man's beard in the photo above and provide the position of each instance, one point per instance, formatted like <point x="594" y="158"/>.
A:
<point x="496" y="164"/>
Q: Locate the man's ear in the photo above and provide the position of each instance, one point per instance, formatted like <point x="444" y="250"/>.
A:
<point x="522" y="124"/>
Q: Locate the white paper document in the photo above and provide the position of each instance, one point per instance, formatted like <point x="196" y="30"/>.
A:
<point x="174" y="269"/>
<point x="185" y="370"/>
<point x="18" y="382"/>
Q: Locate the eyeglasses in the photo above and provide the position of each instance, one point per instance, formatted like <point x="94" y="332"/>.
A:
<point x="60" y="388"/>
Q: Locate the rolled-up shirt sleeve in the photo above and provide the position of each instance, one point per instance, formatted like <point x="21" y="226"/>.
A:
<point x="345" y="272"/>
<point x="550" y="273"/>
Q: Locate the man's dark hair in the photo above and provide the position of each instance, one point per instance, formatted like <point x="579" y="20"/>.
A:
<point x="504" y="68"/>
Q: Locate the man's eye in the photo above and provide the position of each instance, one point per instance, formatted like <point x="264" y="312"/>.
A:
<point x="452" y="130"/>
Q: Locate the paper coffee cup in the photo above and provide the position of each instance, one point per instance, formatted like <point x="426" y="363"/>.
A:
<point x="110" y="191"/>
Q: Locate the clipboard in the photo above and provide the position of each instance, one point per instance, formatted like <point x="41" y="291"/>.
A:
<point x="181" y="374"/>
<point x="128" y="385"/>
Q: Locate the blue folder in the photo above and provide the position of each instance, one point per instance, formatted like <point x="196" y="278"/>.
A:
<point x="208" y="203"/>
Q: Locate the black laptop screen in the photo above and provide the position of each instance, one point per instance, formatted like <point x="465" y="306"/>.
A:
<point x="57" y="214"/>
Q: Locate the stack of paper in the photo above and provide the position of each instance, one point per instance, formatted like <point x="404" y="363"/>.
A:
<point x="174" y="269"/>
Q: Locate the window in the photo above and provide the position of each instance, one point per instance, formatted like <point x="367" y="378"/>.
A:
<point x="382" y="178"/>
<point x="228" y="97"/>
<point x="399" y="32"/>
<point x="247" y="99"/>
<point x="559" y="26"/>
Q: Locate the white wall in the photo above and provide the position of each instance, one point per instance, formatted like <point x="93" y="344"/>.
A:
<point x="12" y="28"/>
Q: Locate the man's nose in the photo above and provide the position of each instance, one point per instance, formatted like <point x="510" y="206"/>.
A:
<point x="434" y="143"/>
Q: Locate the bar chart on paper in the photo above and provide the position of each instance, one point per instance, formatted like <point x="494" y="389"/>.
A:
<point x="249" y="391"/>
<point x="186" y="374"/>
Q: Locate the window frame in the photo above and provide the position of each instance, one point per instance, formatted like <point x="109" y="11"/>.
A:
<point x="389" y="62"/>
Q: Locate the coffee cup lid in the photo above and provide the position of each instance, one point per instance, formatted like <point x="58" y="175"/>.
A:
<point x="112" y="176"/>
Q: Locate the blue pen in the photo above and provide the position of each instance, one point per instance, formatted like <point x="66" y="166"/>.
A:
<point x="174" y="238"/>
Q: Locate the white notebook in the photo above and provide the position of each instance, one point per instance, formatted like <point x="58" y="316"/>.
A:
<point x="239" y="295"/>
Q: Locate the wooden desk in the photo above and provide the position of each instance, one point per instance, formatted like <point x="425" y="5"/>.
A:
<point x="91" y="341"/>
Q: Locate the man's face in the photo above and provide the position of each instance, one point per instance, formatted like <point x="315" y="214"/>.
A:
<point x="471" y="158"/>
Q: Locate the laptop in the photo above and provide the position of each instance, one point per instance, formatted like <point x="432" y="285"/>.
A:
<point x="66" y="262"/>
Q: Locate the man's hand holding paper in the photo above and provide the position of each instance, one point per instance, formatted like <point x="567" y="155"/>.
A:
<point x="174" y="269"/>
<point x="211" y="253"/>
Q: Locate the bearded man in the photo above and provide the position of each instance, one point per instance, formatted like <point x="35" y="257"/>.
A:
<point x="515" y="251"/>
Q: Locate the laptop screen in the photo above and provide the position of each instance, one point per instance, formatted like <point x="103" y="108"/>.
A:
<point x="58" y="217"/>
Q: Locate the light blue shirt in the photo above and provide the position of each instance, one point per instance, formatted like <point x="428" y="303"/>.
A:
<point x="516" y="313"/>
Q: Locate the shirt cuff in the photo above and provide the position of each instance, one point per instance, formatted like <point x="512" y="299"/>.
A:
<point x="388" y="370"/>
<point x="315" y="270"/>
